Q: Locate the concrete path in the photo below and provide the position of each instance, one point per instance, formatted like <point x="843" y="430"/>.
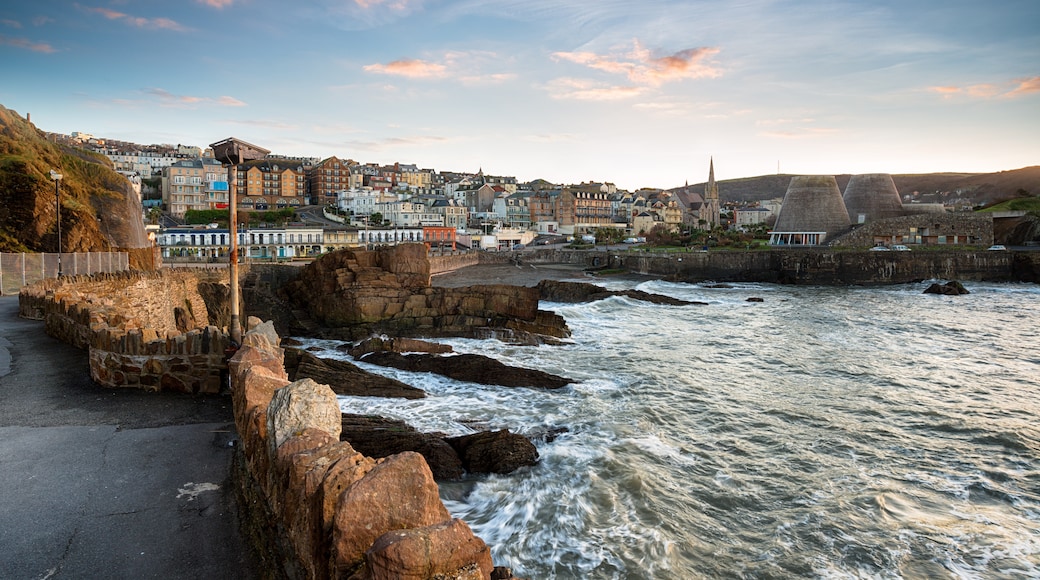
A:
<point x="101" y="483"/>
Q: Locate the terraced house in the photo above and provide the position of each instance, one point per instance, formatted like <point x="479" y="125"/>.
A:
<point x="271" y="184"/>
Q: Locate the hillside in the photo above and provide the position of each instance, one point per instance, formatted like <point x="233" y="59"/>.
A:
<point x="99" y="209"/>
<point x="981" y="188"/>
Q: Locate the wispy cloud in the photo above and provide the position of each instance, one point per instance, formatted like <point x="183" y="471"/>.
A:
<point x="41" y="20"/>
<point x="11" y="23"/>
<point x="458" y="65"/>
<point x="642" y="67"/>
<point x="393" y="142"/>
<point x="139" y="22"/>
<point x="399" y="5"/>
<point x="219" y="4"/>
<point x="27" y="44"/>
<point x="1013" y="89"/>
<point x="168" y="99"/>
<point x="799" y="133"/>
<point x="410" y="68"/>
<point x="586" y="90"/>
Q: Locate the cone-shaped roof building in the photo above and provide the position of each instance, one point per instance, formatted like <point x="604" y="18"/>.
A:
<point x="871" y="197"/>
<point x="813" y="211"/>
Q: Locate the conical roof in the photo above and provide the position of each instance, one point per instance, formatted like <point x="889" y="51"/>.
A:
<point x="872" y="196"/>
<point x="813" y="204"/>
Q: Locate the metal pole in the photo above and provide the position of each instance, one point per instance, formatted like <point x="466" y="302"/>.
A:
<point x="57" y="206"/>
<point x="236" y="329"/>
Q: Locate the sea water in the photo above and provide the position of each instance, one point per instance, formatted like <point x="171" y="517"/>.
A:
<point x="823" y="432"/>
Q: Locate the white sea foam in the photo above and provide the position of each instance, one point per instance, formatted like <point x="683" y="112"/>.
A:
<point x="829" y="432"/>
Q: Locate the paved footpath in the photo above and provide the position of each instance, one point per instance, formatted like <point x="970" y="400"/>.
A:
<point x="108" y="483"/>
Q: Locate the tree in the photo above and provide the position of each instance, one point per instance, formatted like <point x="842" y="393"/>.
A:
<point x="375" y="218"/>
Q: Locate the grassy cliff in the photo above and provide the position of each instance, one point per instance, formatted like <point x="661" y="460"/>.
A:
<point x="99" y="209"/>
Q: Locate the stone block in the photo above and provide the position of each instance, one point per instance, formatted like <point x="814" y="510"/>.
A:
<point x="445" y="550"/>
<point x="397" y="494"/>
<point x="300" y="405"/>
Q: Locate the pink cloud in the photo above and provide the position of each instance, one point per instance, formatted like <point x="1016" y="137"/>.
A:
<point x="411" y="68"/>
<point x="1009" y="90"/>
<point x="642" y="67"/>
<point x="1025" y="86"/>
<point x="27" y="44"/>
<point x="168" y="99"/>
<point x="155" y="23"/>
<point x="219" y="4"/>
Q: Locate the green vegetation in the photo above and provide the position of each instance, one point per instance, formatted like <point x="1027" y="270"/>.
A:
<point x="1017" y="204"/>
<point x="250" y="218"/>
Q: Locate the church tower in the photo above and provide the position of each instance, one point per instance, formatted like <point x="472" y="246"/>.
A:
<point x="710" y="210"/>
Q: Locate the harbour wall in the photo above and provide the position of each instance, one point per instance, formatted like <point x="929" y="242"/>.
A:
<point x="802" y="266"/>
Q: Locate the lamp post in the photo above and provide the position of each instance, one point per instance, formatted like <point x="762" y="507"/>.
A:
<point x="57" y="206"/>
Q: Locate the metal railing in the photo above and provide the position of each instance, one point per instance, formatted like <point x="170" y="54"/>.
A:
<point x="17" y="270"/>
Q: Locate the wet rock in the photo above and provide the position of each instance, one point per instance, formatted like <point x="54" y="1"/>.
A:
<point x="473" y="368"/>
<point x="494" y="451"/>
<point x="755" y="299"/>
<point x="380" y="344"/>
<point x="574" y="292"/>
<point x="445" y="550"/>
<point x="951" y="288"/>
<point x="381" y="437"/>
<point x="346" y="378"/>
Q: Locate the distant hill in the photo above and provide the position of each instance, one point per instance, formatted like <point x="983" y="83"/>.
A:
<point x="99" y="211"/>
<point x="981" y="188"/>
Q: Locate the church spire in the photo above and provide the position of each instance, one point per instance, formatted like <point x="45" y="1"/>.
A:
<point x="710" y="212"/>
<point x="711" y="171"/>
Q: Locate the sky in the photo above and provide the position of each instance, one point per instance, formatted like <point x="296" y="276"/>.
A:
<point x="637" y="93"/>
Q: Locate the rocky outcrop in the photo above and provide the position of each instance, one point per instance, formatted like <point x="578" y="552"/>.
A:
<point x="574" y="292"/>
<point x="473" y="368"/>
<point x="494" y="451"/>
<point x="354" y="294"/>
<point x="346" y="378"/>
<point x="448" y="457"/>
<point x="951" y="288"/>
<point x="379" y="344"/>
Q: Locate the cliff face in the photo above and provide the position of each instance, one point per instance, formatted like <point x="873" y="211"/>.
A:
<point x="99" y="209"/>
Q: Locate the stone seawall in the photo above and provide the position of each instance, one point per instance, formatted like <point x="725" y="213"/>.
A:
<point x="147" y="330"/>
<point x="449" y="262"/>
<point x="323" y="509"/>
<point x="808" y="266"/>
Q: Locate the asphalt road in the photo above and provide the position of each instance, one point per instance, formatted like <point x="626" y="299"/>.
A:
<point x="102" y="483"/>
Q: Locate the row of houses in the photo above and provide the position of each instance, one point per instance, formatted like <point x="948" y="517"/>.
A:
<point x="212" y="244"/>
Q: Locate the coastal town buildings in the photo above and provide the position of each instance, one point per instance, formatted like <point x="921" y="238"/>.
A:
<point x="190" y="185"/>
<point x="271" y="184"/>
<point x="327" y="179"/>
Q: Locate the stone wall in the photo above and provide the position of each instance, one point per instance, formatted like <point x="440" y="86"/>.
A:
<point x="327" y="510"/>
<point x="808" y="265"/>
<point x="453" y="261"/>
<point x="978" y="227"/>
<point x="147" y="330"/>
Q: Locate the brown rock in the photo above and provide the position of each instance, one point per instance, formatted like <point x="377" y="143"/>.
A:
<point x="494" y="451"/>
<point x="445" y="550"/>
<point x="951" y="288"/>
<point x="469" y="367"/>
<point x="399" y="344"/>
<point x="381" y="437"/>
<point x="346" y="378"/>
<point x="397" y="494"/>
<point x="572" y="292"/>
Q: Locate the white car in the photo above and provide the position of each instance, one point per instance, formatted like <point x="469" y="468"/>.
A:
<point x="901" y="248"/>
<point x="879" y="249"/>
<point x="997" y="248"/>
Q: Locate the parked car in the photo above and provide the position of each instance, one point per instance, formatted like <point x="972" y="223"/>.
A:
<point x="901" y="248"/>
<point x="880" y="249"/>
<point x="631" y="240"/>
<point x="997" y="248"/>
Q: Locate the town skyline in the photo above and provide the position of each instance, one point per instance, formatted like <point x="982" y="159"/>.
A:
<point x="637" y="95"/>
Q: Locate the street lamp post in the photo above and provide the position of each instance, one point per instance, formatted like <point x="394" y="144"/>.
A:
<point x="57" y="206"/>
